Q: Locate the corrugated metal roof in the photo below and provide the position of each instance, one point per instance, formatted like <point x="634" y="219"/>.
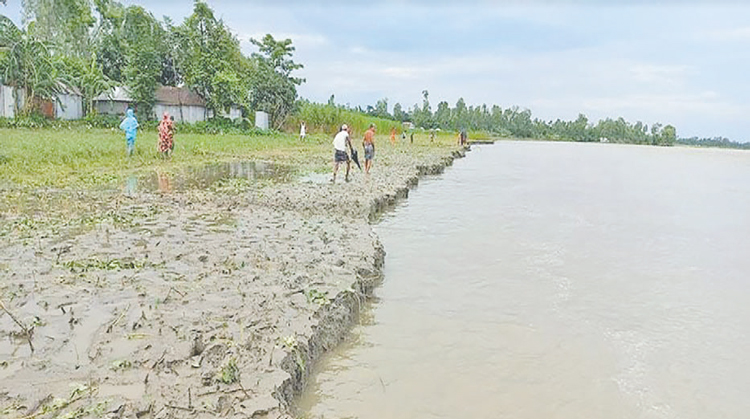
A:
<point x="118" y="94"/>
<point x="167" y="95"/>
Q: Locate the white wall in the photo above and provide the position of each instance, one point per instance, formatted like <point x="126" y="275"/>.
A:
<point x="261" y="120"/>
<point x="7" y="107"/>
<point x="110" y="107"/>
<point x="191" y="114"/>
<point x="72" y="107"/>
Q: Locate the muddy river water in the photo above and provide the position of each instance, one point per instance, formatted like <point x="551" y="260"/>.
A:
<point x="557" y="280"/>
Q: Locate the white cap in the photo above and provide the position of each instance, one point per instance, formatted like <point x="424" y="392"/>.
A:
<point x="344" y="127"/>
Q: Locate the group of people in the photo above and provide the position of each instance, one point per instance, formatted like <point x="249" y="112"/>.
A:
<point x="342" y="144"/>
<point x="165" y="145"/>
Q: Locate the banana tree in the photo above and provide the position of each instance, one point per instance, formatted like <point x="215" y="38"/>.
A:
<point x="27" y="63"/>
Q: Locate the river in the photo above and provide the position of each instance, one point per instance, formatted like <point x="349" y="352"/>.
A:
<point x="557" y="280"/>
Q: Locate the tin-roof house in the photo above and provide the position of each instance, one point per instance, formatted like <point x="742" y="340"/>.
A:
<point x="67" y="105"/>
<point x="114" y="102"/>
<point x="181" y="102"/>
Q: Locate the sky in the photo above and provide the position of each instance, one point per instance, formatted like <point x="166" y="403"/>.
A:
<point x="684" y="63"/>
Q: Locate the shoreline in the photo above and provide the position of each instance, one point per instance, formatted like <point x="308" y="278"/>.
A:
<point x="337" y="319"/>
<point x="200" y="304"/>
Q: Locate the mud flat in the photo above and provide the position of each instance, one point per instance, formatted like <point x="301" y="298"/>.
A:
<point x="194" y="304"/>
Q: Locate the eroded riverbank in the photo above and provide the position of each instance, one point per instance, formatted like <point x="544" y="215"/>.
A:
<point x="193" y="304"/>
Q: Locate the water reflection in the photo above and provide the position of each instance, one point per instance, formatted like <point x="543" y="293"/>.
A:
<point x="204" y="176"/>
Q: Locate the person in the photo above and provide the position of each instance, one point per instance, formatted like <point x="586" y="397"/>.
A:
<point x="166" y="136"/>
<point x="130" y="126"/>
<point x="393" y="135"/>
<point x="411" y="137"/>
<point x="369" y="145"/>
<point x="432" y="135"/>
<point x="302" y="131"/>
<point x="340" y="144"/>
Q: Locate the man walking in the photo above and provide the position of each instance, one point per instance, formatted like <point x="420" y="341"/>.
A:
<point x="369" y="144"/>
<point x="340" y="143"/>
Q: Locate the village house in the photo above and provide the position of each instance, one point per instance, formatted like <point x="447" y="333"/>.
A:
<point x="67" y="105"/>
<point x="181" y="103"/>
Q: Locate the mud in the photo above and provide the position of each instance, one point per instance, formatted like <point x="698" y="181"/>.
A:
<point x="193" y="303"/>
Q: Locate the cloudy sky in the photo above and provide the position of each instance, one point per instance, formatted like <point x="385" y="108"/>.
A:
<point x="682" y="63"/>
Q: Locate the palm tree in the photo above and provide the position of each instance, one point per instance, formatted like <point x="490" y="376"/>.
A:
<point x="26" y="62"/>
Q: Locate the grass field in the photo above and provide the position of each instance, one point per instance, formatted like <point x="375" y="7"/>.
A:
<point x="83" y="158"/>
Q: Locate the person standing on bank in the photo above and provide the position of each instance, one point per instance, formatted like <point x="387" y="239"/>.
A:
<point x="369" y="144"/>
<point x="130" y="126"/>
<point x="340" y="144"/>
<point x="302" y="131"/>
<point x="166" y="136"/>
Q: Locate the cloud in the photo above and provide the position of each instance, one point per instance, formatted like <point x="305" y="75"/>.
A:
<point x="662" y="74"/>
<point x="728" y="35"/>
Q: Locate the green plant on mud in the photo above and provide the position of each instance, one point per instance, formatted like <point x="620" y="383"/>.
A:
<point x="291" y="344"/>
<point x="121" y="365"/>
<point x="317" y="297"/>
<point x="85" y="265"/>
<point x="54" y="407"/>
<point x="229" y="372"/>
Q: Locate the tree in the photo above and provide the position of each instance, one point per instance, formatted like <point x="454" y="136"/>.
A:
<point x="27" y="63"/>
<point x="210" y="61"/>
<point x="443" y="115"/>
<point x="274" y="90"/>
<point x="381" y="108"/>
<point x="66" y="24"/>
<point x="143" y="40"/>
<point x="93" y="82"/>
<point x="668" y="136"/>
<point x="459" y="114"/>
<point x="398" y="113"/>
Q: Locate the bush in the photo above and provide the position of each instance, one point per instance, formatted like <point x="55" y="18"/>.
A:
<point x="329" y="118"/>
<point x="214" y="126"/>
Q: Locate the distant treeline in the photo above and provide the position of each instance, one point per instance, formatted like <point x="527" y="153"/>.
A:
<point x="519" y="123"/>
<point x="713" y="142"/>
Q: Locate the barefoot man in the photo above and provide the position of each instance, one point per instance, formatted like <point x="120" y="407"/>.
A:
<point x="340" y="143"/>
<point x="369" y="144"/>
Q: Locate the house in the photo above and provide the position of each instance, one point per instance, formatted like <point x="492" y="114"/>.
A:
<point x="181" y="103"/>
<point x="114" y="102"/>
<point x="67" y="105"/>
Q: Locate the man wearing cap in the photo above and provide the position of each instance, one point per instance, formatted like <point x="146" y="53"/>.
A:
<point x="340" y="143"/>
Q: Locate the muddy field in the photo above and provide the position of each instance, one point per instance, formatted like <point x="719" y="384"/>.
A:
<point x="191" y="302"/>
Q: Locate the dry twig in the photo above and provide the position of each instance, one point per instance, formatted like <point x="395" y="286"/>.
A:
<point x="26" y="331"/>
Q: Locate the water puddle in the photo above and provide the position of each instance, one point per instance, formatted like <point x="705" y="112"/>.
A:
<point x="206" y="176"/>
<point x="316" y="178"/>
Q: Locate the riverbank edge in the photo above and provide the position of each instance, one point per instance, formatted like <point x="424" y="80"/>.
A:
<point x="336" y="320"/>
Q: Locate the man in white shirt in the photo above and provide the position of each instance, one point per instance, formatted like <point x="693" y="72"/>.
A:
<point x="340" y="143"/>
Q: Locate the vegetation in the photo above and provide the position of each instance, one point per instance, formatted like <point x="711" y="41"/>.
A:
<point x="328" y="118"/>
<point x="516" y="122"/>
<point x="93" y="46"/>
<point x="720" y="142"/>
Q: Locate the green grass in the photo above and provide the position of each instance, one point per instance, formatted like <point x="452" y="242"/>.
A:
<point x="84" y="158"/>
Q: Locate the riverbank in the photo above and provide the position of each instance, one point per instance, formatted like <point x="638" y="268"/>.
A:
<point x="196" y="302"/>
